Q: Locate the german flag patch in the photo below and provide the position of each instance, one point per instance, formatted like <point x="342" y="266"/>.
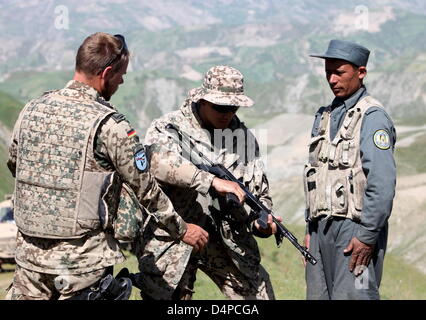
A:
<point x="131" y="133"/>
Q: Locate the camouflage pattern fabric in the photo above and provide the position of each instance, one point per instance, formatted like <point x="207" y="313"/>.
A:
<point x="30" y="285"/>
<point x="52" y="146"/>
<point x="114" y="150"/>
<point x="223" y="85"/>
<point x="215" y="262"/>
<point x="129" y="219"/>
<point x="163" y="260"/>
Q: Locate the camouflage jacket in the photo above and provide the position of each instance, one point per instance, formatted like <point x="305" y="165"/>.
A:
<point x="189" y="189"/>
<point x="114" y="146"/>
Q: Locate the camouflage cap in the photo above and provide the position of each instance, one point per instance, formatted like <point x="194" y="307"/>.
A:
<point x="223" y="85"/>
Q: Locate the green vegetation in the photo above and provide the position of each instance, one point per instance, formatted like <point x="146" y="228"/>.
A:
<point x="5" y="279"/>
<point x="400" y="280"/>
<point x="9" y="109"/>
<point x="25" y="85"/>
<point x="411" y="160"/>
<point x="6" y="179"/>
<point x="417" y="120"/>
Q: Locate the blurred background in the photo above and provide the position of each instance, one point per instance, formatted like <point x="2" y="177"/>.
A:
<point x="173" y="44"/>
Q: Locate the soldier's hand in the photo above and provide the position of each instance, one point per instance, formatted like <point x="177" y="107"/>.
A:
<point x="361" y="255"/>
<point x="306" y="242"/>
<point x="195" y="236"/>
<point x="224" y="186"/>
<point x="271" y="227"/>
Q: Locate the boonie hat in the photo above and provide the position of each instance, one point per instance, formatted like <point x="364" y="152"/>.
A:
<point x="222" y="85"/>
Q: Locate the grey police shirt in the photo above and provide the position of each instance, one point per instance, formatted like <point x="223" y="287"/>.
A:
<point x="378" y="163"/>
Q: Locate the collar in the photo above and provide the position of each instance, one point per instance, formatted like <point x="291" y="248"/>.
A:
<point x="194" y="130"/>
<point x="351" y="101"/>
<point x="83" y="88"/>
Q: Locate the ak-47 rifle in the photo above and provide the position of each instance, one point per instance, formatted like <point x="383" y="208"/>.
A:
<point x="258" y="210"/>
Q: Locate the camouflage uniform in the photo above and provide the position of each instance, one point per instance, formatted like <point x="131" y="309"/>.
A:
<point x="49" y="268"/>
<point x="231" y="257"/>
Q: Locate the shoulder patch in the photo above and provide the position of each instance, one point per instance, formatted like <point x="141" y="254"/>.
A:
<point x="381" y="139"/>
<point x="118" y="117"/>
<point x="131" y="133"/>
<point x="141" y="159"/>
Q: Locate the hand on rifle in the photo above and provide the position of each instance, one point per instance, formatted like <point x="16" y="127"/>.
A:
<point x="224" y="186"/>
<point x="195" y="236"/>
<point x="271" y="226"/>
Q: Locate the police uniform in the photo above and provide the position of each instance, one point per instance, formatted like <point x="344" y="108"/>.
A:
<point x="231" y="257"/>
<point x="74" y="157"/>
<point x="350" y="185"/>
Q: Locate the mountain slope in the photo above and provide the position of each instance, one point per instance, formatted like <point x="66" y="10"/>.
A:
<point x="9" y="111"/>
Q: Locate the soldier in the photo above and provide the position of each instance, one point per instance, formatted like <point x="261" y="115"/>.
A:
<point x="75" y="158"/>
<point x="349" y="182"/>
<point x="231" y="257"/>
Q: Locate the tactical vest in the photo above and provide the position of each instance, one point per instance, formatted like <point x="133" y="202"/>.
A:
<point x="334" y="180"/>
<point x="55" y="196"/>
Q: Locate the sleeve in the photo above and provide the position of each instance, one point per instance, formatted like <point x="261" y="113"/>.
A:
<point x="264" y="197"/>
<point x="170" y="167"/>
<point x="378" y="139"/>
<point x="118" y="144"/>
<point x="260" y="188"/>
<point x="13" y="152"/>
<point x="13" y="148"/>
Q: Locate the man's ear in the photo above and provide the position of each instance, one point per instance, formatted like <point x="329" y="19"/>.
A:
<point x="106" y="73"/>
<point x="362" y="72"/>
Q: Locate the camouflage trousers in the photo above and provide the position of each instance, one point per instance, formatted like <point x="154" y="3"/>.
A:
<point x="31" y="285"/>
<point x="231" y="282"/>
<point x="216" y="263"/>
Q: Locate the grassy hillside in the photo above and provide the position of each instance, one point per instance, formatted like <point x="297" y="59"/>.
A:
<point x="6" y="179"/>
<point x="410" y="160"/>
<point x="25" y="85"/>
<point x="9" y="109"/>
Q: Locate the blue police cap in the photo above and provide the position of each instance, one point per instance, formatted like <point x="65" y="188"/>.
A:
<point x="346" y="50"/>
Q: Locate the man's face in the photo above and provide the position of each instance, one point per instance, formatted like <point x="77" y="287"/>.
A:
<point x="213" y="118"/>
<point x="344" y="78"/>
<point x="113" y="81"/>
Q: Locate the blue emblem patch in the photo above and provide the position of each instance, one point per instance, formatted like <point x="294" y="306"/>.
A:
<point x="381" y="139"/>
<point x="141" y="161"/>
